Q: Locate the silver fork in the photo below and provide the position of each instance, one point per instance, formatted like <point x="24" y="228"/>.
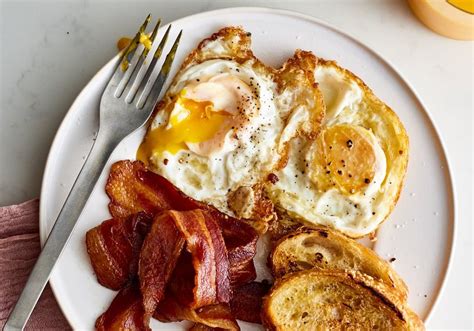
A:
<point x="126" y="104"/>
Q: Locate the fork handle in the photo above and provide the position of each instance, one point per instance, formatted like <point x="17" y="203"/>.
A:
<point x="61" y="231"/>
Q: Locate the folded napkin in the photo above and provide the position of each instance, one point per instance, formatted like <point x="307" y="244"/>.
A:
<point x="19" y="248"/>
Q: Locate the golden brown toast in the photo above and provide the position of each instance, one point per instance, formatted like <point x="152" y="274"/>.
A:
<point x="323" y="248"/>
<point x="335" y="300"/>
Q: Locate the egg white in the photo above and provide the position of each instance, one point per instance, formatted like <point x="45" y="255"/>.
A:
<point x="348" y="101"/>
<point x="243" y="161"/>
<point x="299" y="196"/>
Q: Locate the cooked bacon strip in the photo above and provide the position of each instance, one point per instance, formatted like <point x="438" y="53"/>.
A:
<point x="209" y="263"/>
<point x="243" y="273"/>
<point x="181" y="284"/>
<point x="221" y="259"/>
<point x="125" y="312"/>
<point x="160" y="252"/>
<point x="113" y="248"/>
<point x="247" y="301"/>
<point x="241" y="244"/>
<point x="215" y="316"/>
<point x="176" y="304"/>
<point x="245" y="305"/>
<point x="202" y="327"/>
<point x="209" y="257"/>
<point x="131" y="189"/>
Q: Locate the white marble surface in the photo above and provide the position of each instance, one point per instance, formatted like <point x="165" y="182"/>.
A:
<point x="50" y="49"/>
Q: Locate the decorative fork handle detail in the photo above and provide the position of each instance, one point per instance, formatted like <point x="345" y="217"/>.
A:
<point x="61" y="231"/>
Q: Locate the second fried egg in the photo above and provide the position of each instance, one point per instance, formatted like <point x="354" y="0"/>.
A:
<point x="349" y="176"/>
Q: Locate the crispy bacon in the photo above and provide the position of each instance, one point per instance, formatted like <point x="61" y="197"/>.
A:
<point x="209" y="256"/>
<point x="202" y="327"/>
<point x="204" y="242"/>
<point x="245" y="305"/>
<point x="160" y="252"/>
<point x="214" y="316"/>
<point x="125" y="312"/>
<point x="219" y="251"/>
<point x="181" y="286"/>
<point x="243" y="273"/>
<point x="175" y="306"/>
<point x="247" y="301"/>
<point x="113" y="248"/>
<point x="131" y="189"/>
<point x="241" y="248"/>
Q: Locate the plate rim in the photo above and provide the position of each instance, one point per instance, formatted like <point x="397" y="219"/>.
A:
<point x="291" y="13"/>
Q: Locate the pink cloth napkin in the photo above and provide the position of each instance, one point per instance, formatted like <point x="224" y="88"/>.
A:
<point x="19" y="248"/>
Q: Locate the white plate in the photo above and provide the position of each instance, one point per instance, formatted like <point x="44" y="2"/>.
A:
<point x="419" y="233"/>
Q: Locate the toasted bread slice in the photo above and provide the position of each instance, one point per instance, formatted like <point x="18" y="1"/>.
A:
<point x="323" y="248"/>
<point x="322" y="300"/>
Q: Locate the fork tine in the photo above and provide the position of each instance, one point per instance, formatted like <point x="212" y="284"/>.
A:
<point x="142" y="73"/>
<point x="137" y="76"/>
<point x="152" y="39"/>
<point x="152" y="90"/>
<point x="159" y="50"/>
<point x="148" y="69"/>
<point x="128" y="65"/>
<point x="123" y="63"/>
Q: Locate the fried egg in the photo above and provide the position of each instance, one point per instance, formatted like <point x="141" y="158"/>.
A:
<point x="222" y="126"/>
<point x="350" y="175"/>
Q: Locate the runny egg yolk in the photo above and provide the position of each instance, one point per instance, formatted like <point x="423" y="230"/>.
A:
<point x="124" y="42"/>
<point x="145" y="40"/>
<point x="345" y="158"/>
<point x="190" y="121"/>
